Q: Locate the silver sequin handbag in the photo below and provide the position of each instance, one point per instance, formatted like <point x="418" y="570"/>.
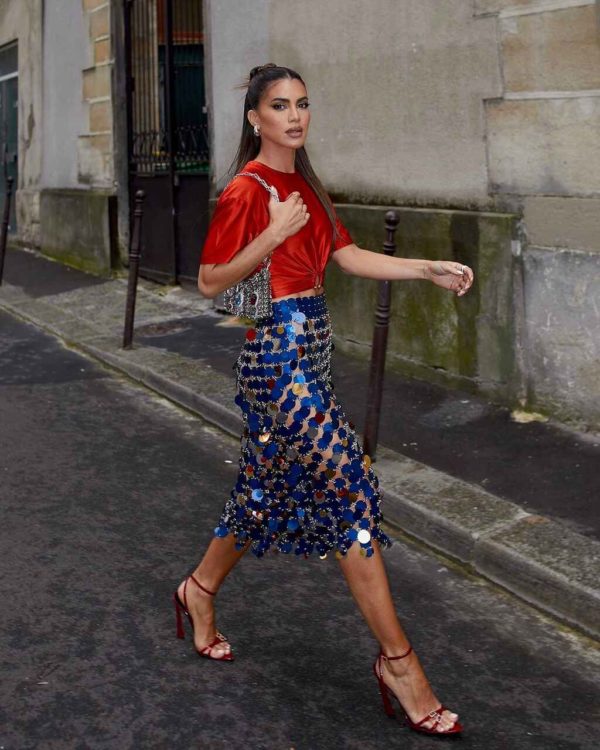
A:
<point x="251" y="297"/>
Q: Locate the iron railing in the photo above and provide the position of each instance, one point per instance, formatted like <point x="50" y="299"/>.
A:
<point x="168" y="118"/>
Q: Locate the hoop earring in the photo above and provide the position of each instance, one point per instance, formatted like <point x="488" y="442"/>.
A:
<point x="257" y="131"/>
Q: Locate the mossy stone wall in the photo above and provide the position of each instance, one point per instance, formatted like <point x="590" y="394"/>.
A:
<point x="78" y="228"/>
<point x="468" y="341"/>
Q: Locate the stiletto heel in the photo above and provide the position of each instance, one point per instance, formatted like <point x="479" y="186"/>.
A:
<point x="178" y="617"/>
<point x="181" y="606"/>
<point x="387" y="693"/>
<point x="387" y="703"/>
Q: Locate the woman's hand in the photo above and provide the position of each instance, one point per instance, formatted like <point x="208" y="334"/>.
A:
<point x="450" y="275"/>
<point x="288" y="216"/>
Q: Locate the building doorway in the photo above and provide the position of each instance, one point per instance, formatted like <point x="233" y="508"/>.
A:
<point x="168" y="133"/>
<point x="9" y="123"/>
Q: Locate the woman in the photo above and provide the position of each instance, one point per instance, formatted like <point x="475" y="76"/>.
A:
<point x="304" y="484"/>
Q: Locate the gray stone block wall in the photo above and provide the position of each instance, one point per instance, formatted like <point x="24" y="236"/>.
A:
<point x="562" y="298"/>
<point x="527" y="334"/>
<point x="77" y="227"/>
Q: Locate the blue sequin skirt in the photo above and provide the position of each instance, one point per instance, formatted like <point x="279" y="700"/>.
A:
<point x="304" y="483"/>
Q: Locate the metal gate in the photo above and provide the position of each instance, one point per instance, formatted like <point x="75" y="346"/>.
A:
<point x="167" y="133"/>
<point x="9" y="138"/>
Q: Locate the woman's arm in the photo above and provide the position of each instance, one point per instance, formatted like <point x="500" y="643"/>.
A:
<point x="216" y="277"/>
<point x="286" y="218"/>
<point x="447" y="274"/>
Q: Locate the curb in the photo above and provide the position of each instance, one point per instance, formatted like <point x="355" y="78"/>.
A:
<point x="537" y="559"/>
<point x="210" y="411"/>
<point x="540" y="561"/>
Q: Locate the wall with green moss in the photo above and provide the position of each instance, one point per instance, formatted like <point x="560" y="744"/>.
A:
<point x="78" y="227"/>
<point x="468" y="341"/>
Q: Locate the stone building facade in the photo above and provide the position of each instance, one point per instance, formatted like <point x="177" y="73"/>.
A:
<point x="480" y="120"/>
<point x="65" y="201"/>
<point x="477" y="119"/>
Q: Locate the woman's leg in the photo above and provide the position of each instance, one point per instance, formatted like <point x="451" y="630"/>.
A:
<point x="219" y="559"/>
<point x="368" y="582"/>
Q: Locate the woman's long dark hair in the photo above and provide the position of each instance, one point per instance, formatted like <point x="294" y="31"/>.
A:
<point x="259" y="79"/>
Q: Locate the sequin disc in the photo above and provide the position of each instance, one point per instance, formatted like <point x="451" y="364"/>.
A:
<point x="363" y="536"/>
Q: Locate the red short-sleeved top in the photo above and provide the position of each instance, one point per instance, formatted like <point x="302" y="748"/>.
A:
<point x="242" y="213"/>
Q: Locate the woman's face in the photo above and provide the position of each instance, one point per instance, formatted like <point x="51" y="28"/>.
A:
<point x="282" y="113"/>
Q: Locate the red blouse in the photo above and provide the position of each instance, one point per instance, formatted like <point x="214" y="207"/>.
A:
<point x="242" y="213"/>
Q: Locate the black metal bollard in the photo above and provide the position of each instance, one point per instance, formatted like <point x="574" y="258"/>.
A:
<point x="5" y="220"/>
<point x="135" y="251"/>
<point x="379" y="348"/>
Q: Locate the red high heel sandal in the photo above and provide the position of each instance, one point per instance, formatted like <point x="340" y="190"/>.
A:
<point x="182" y="607"/>
<point x="386" y="692"/>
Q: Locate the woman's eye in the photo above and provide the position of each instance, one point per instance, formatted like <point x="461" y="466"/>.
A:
<point x="302" y="105"/>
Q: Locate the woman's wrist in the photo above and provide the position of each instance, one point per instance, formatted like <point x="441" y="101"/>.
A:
<point x="273" y="237"/>
<point x="420" y="268"/>
<point x="426" y="270"/>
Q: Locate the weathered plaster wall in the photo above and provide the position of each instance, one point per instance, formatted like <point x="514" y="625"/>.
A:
<point x="21" y="20"/>
<point x="563" y="323"/>
<point x="65" y="118"/>
<point x="236" y="40"/>
<point x="65" y="114"/>
<point x="78" y="227"/>
<point x="116" y="46"/>
<point x="77" y="213"/>
<point x="397" y="95"/>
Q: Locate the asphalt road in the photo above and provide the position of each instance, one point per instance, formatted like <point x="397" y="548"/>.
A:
<point x="108" y="496"/>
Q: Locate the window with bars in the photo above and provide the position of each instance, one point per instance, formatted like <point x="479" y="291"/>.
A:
<point x="150" y="43"/>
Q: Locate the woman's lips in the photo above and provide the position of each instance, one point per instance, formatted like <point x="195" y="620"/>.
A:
<point x="294" y="132"/>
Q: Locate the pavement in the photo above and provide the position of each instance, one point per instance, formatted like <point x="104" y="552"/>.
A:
<point x="109" y="494"/>
<point x="514" y="502"/>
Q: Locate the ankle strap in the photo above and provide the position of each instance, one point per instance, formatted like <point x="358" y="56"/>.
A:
<point x="197" y="582"/>
<point x="391" y="658"/>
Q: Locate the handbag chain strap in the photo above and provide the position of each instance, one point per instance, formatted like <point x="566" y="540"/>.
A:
<point x="271" y="189"/>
